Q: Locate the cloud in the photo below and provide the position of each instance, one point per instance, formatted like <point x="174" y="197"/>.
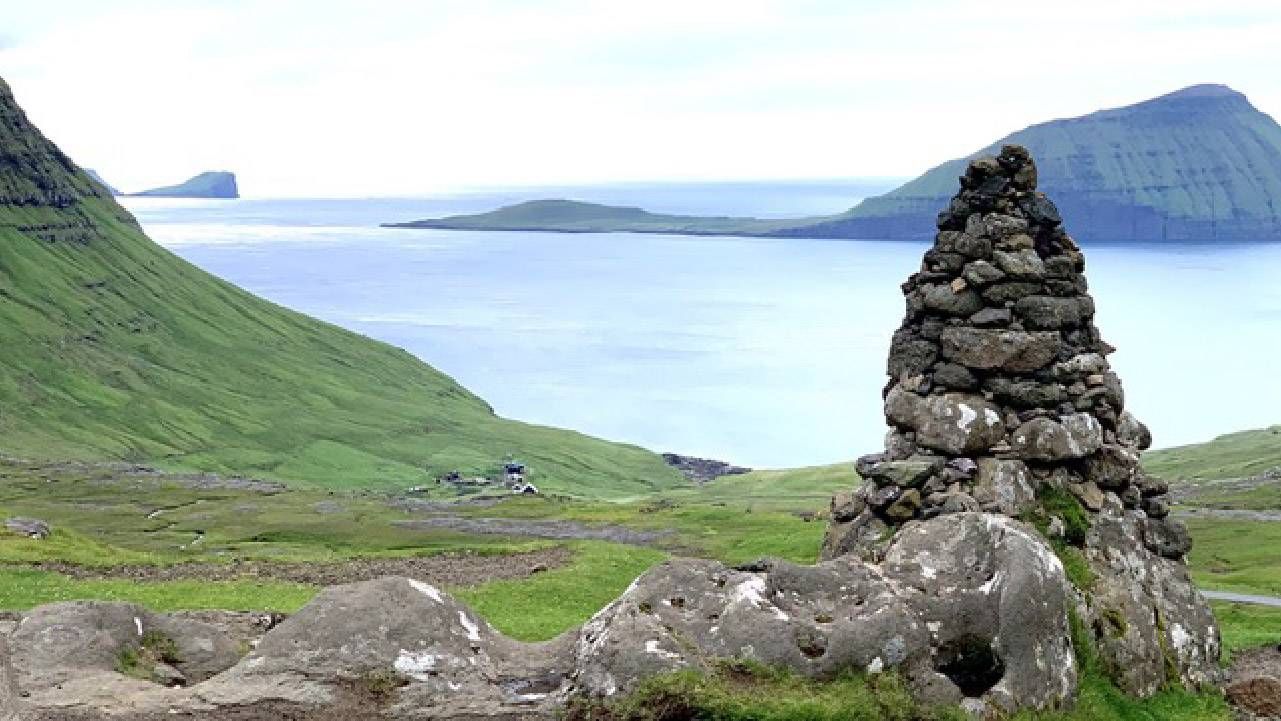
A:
<point x="327" y="98"/>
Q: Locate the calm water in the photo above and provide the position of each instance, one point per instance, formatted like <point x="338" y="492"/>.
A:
<point x="763" y="352"/>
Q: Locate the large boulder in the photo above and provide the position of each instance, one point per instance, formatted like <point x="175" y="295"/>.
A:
<point x="1044" y="439"/>
<point x="1151" y="624"/>
<point x="451" y="662"/>
<point x="971" y="608"/>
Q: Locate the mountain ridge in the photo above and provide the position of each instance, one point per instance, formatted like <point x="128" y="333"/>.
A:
<point x="1196" y="164"/>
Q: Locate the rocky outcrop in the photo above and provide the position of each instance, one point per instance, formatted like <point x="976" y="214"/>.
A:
<point x="970" y="608"/>
<point x="9" y="701"/>
<point x="702" y="470"/>
<point x="1000" y="398"/>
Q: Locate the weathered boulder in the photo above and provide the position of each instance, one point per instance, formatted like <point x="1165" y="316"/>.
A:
<point x="1044" y="439"/>
<point x="1150" y="622"/>
<point x="451" y="661"/>
<point x="970" y="608"/>
<point x="1010" y="350"/>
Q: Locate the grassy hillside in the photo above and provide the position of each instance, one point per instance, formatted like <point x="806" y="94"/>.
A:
<point x="113" y="348"/>
<point x="215" y="184"/>
<point x="1198" y="164"/>
<point x="569" y="216"/>
<point x="1236" y="455"/>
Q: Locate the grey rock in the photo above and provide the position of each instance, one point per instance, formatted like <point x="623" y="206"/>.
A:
<point x="910" y="472"/>
<point x="904" y="507"/>
<point x="955" y="376"/>
<point x="1132" y="432"/>
<point x="1044" y="312"/>
<point x="1021" y="264"/>
<point x="910" y="355"/>
<point x="1008" y="291"/>
<point x="988" y="349"/>
<point x="948" y="301"/>
<point x="958" y="423"/>
<point x="846" y="506"/>
<point x="1042" y="439"/>
<point x="864" y="538"/>
<point x="1088" y="494"/>
<point x="1155" y="507"/>
<point x="989" y="317"/>
<point x="1168" y="626"/>
<point x="981" y="272"/>
<point x="975" y="601"/>
<point x="1113" y="467"/>
<point x="1006" y="484"/>
<point x="1166" y="537"/>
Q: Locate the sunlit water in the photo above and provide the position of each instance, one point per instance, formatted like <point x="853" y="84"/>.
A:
<point x="763" y="352"/>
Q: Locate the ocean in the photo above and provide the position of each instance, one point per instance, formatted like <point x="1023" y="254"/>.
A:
<point x="767" y="353"/>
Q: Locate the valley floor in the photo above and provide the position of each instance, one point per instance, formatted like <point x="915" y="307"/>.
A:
<point x="534" y="566"/>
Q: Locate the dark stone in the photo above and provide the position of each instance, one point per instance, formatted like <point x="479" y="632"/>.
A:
<point x="955" y="376"/>
<point x="990" y="317"/>
<point x="1025" y="393"/>
<point x="1006" y="291"/>
<point x="981" y="272"/>
<point x="944" y="299"/>
<point x="1043" y="312"/>
<point x="910" y="355"/>
<point x="1166" y="537"/>
<point x="1040" y="210"/>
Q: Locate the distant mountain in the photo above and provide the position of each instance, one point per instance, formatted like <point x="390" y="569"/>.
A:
<point x="570" y="216"/>
<point x="114" y="348"/>
<point x="93" y="174"/>
<point x="214" y="184"/>
<point x="1198" y="164"/>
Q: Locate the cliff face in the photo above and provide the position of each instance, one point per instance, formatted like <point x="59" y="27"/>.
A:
<point x="215" y="184"/>
<point x="1200" y="164"/>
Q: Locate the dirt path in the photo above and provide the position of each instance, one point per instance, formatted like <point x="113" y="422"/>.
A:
<point x="548" y="529"/>
<point x="448" y="569"/>
<point x="1242" y="598"/>
<point x="1229" y="514"/>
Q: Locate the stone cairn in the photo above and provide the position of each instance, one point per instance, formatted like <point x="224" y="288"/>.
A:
<point x="999" y="384"/>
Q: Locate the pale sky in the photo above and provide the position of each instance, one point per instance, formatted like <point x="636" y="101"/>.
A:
<point x="383" y="97"/>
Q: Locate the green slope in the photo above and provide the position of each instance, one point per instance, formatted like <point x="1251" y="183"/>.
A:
<point x="111" y="347"/>
<point x="1235" y="455"/>
<point x="1198" y="164"/>
<point x="570" y="216"/>
<point x="214" y="184"/>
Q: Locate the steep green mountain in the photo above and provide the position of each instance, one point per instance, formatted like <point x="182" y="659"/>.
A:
<point x="113" y="348"/>
<point x="1198" y="164"/>
<point x="570" y="216"/>
<point x="215" y="184"/>
<point x="93" y="175"/>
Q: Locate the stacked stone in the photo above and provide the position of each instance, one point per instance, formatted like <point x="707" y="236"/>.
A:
<point x="999" y="382"/>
